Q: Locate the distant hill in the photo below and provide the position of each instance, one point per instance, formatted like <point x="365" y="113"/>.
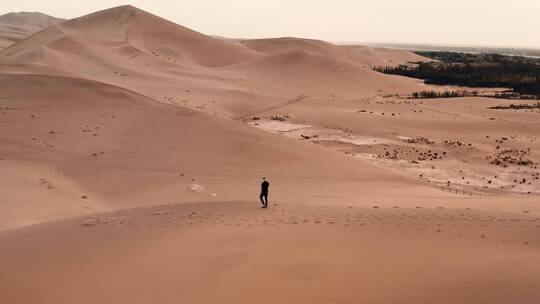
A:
<point x="17" y="26"/>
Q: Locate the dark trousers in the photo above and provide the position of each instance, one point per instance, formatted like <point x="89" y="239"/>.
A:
<point x="264" y="199"/>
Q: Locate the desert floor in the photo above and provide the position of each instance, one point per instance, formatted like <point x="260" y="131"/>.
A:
<point x="132" y="150"/>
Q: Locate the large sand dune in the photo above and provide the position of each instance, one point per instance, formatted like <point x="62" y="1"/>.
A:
<point x="131" y="151"/>
<point x="144" y="53"/>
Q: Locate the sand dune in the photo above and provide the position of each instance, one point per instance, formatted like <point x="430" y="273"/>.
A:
<point x="291" y="253"/>
<point x="381" y="56"/>
<point x="17" y="26"/>
<point x="362" y="55"/>
<point x="131" y="151"/>
<point x="175" y="65"/>
<point x="122" y="149"/>
<point x="301" y="61"/>
<point x="278" y="45"/>
<point x="141" y="30"/>
<point x="301" y="72"/>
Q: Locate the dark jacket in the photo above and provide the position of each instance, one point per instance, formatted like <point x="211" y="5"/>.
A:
<point x="264" y="187"/>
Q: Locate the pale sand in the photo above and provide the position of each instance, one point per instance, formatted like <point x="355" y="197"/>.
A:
<point x="125" y="113"/>
<point x="291" y="253"/>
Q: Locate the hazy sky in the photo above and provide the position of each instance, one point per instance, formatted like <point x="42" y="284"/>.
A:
<point x="474" y="22"/>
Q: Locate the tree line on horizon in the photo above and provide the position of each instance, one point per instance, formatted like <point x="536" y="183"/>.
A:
<point x="520" y="74"/>
<point x="445" y="94"/>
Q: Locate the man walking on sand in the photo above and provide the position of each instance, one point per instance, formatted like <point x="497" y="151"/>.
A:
<point x="264" y="192"/>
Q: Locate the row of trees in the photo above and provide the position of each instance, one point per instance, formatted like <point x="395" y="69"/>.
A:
<point x="517" y="106"/>
<point x="480" y="58"/>
<point x="520" y="74"/>
<point x="445" y="94"/>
